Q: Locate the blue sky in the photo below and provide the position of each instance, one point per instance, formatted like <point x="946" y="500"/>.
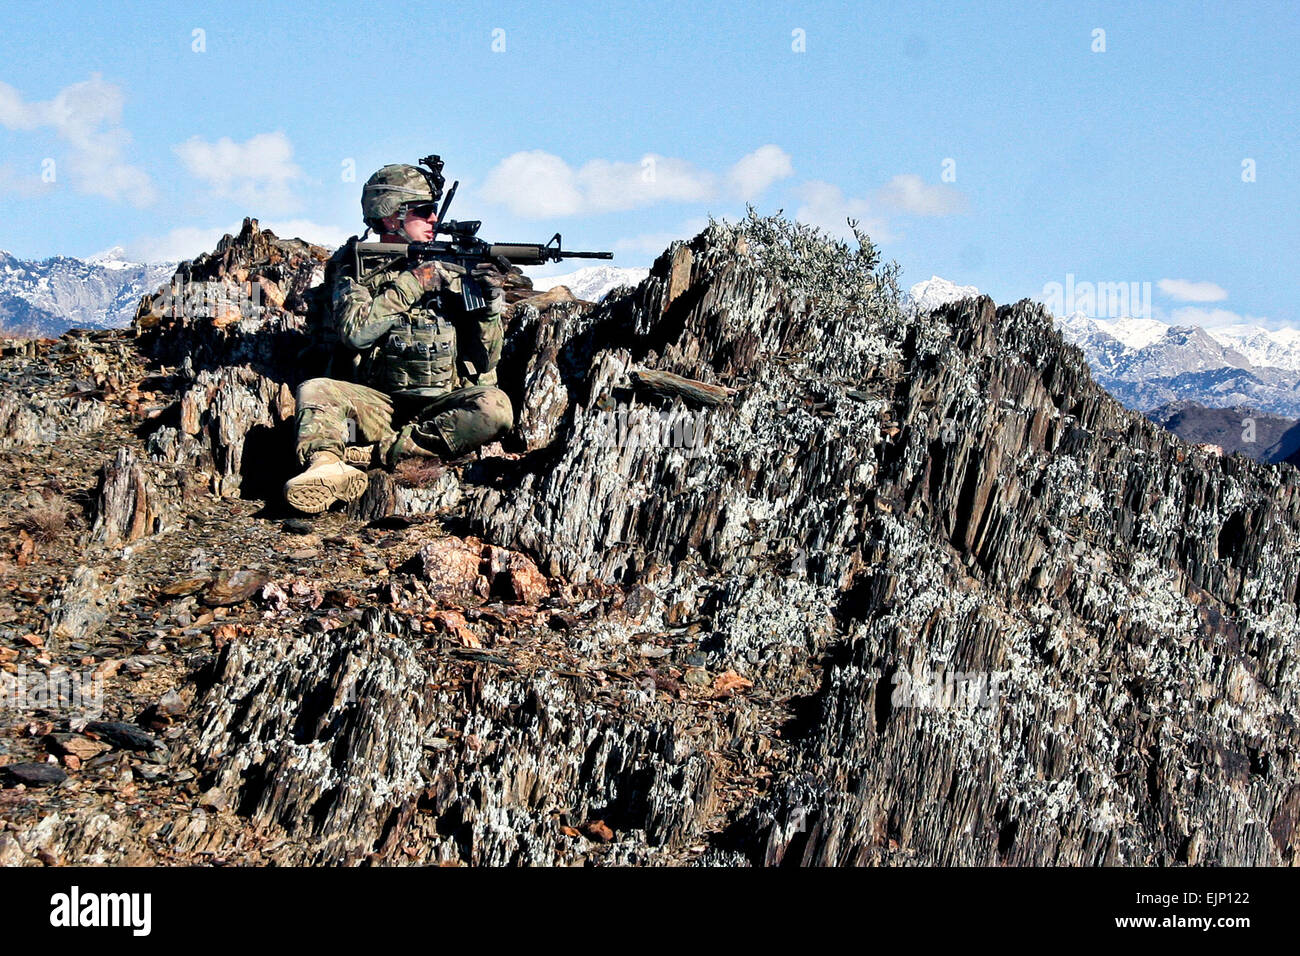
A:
<point x="622" y="125"/>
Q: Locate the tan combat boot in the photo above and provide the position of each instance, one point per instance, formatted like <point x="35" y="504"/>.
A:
<point x="326" y="480"/>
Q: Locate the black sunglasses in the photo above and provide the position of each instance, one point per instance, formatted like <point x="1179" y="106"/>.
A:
<point x="425" y="210"/>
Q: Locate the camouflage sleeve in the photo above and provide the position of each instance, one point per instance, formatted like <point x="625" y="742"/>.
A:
<point x="362" y="319"/>
<point x="482" y="334"/>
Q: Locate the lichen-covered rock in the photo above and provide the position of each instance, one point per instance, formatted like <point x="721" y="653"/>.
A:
<point x="964" y="500"/>
<point x="772" y="571"/>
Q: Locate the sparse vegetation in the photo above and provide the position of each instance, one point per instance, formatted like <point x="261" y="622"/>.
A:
<point x="48" y="520"/>
<point x="808" y="260"/>
<point x="418" y="472"/>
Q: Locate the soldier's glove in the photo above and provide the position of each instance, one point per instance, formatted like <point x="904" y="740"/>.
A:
<point x="492" y="283"/>
<point x="427" y="274"/>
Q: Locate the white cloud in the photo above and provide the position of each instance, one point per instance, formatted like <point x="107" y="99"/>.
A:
<point x="826" y="206"/>
<point x="1185" y="290"/>
<point x="535" y="185"/>
<point x="646" y="244"/>
<point x="186" y="242"/>
<point x="87" y="116"/>
<point x="612" y="187"/>
<point x="753" y="174"/>
<point x="258" y="173"/>
<point x="540" y="185"/>
<point x="909" y="193"/>
<point x="320" y="233"/>
<point x="18" y="184"/>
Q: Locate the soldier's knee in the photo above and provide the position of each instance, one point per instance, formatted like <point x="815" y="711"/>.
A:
<point x="313" y="391"/>
<point x="495" y="406"/>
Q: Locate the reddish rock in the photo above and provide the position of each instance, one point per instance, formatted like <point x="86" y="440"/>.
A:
<point x="514" y="576"/>
<point x="597" y="831"/>
<point x="451" y="565"/>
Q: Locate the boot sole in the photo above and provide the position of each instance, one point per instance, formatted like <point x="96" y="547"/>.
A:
<point x="314" y="496"/>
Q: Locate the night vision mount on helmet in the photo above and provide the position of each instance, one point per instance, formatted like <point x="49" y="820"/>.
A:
<point x="434" y="175"/>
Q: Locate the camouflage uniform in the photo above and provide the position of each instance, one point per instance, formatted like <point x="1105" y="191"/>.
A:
<point x="425" y="366"/>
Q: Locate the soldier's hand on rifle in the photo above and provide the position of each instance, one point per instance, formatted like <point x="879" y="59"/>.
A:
<point x="491" y="281"/>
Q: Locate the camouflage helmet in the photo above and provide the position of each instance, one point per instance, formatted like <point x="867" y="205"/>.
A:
<point x="393" y="187"/>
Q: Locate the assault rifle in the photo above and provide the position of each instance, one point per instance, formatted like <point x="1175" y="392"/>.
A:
<point x="464" y="248"/>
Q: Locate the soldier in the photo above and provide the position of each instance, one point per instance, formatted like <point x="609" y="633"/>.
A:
<point x="424" y="367"/>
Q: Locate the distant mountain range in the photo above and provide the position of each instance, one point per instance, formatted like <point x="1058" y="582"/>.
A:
<point x="1147" y="364"/>
<point x="48" y="297"/>
<point x="593" y="283"/>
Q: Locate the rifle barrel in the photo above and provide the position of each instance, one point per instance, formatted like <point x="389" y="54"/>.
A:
<point x="531" y="253"/>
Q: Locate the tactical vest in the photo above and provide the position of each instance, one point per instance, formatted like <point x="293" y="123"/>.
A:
<point x="418" y="357"/>
<point x="419" y="354"/>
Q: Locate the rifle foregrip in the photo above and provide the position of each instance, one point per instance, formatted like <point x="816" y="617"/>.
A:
<point x="523" y="254"/>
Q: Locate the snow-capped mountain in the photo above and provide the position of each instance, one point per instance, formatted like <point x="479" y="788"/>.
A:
<point x="593" y="282"/>
<point x="1272" y="348"/>
<point x="936" y="291"/>
<point x="1131" y="333"/>
<point x="53" y="295"/>
<point x="1150" y="352"/>
<point x="1146" y="364"/>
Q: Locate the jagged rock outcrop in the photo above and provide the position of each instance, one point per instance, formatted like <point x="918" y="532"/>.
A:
<point x="126" y="505"/>
<point x="966" y="499"/>
<point x="247" y="302"/>
<point x="908" y="588"/>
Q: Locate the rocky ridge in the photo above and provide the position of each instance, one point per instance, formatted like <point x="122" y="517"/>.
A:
<point x="877" y="586"/>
